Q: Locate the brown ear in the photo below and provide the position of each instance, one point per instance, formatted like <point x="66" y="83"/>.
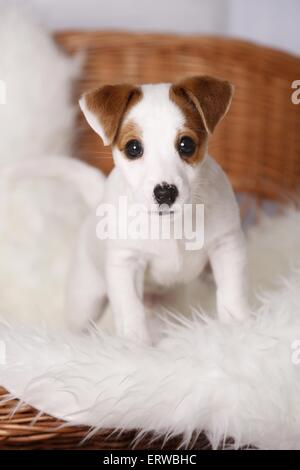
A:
<point x="210" y="96"/>
<point x="105" y="107"/>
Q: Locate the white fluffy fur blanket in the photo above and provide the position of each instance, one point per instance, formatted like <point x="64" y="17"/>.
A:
<point x="37" y="114"/>
<point x="240" y="380"/>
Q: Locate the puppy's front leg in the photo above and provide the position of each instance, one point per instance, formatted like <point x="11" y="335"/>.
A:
<point x="229" y="263"/>
<point x="124" y="278"/>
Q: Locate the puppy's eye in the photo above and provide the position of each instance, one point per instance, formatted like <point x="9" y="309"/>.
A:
<point x="133" y="149"/>
<point x="186" y="146"/>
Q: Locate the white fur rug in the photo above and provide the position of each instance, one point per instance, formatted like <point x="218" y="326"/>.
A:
<point x="37" y="114"/>
<point x="239" y="380"/>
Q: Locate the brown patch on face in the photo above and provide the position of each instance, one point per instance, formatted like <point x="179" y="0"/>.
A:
<point x="127" y="131"/>
<point x="110" y="103"/>
<point x="193" y="126"/>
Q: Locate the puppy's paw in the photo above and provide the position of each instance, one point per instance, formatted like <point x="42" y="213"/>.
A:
<point x="232" y="309"/>
<point x="139" y="336"/>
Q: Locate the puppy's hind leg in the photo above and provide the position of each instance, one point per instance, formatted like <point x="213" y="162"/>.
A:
<point x="86" y="293"/>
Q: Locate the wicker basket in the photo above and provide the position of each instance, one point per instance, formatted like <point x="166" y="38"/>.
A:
<point x="258" y="144"/>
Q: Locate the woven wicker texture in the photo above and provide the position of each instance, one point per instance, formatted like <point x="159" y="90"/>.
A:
<point x="26" y="429"/>
<point x="258" y="144"/>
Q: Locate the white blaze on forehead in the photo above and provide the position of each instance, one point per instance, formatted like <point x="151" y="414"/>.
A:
<point x="159" y="119"/>
<point x="156" y="114"/>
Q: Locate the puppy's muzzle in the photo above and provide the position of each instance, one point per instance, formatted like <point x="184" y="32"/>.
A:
<point x="165" y="193"/>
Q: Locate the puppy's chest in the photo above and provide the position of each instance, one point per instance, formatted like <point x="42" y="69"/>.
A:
<point x="172" y="263"/>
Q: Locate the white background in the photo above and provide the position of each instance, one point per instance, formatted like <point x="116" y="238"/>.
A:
<point x="272" y="22"/>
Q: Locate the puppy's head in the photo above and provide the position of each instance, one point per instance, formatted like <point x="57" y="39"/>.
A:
<point x="158" y="133"/>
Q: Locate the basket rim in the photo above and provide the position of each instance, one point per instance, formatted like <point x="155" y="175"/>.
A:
<point x="163" y="38"/>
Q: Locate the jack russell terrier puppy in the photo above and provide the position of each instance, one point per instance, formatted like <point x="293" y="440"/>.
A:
<point x="159" y="135"/>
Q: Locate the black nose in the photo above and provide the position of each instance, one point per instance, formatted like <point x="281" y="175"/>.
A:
<point x="165" y="193"/>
